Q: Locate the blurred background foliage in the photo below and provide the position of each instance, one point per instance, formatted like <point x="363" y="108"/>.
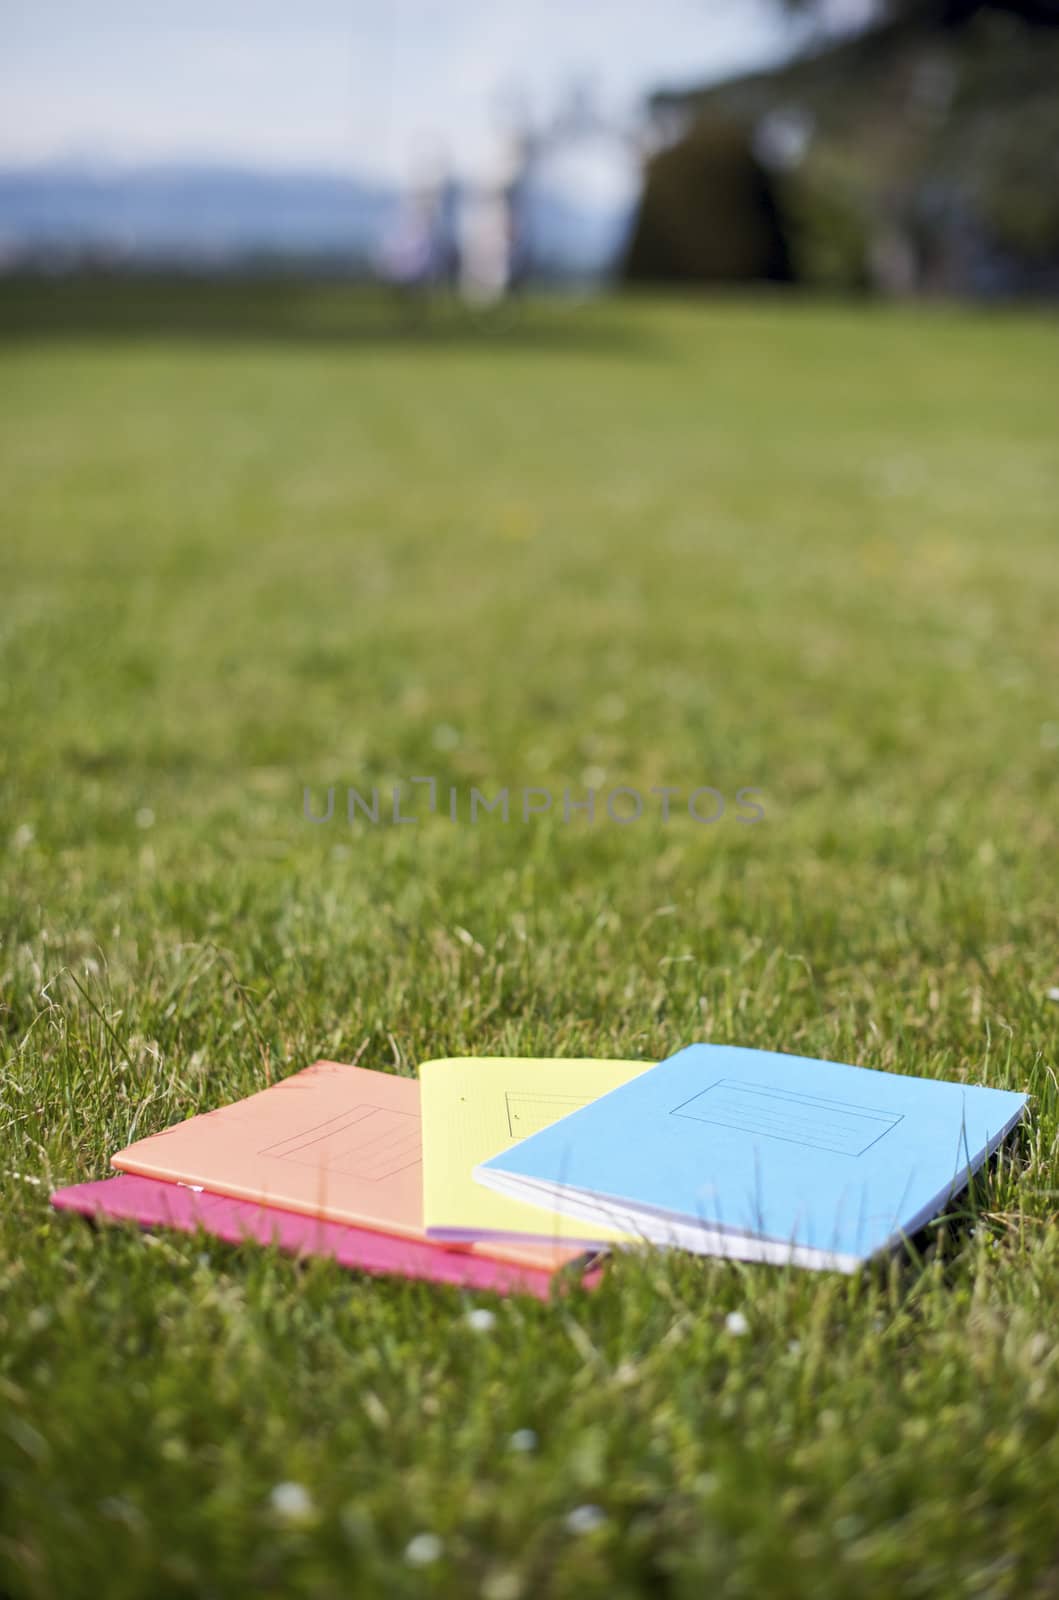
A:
<point x="709" y="212"/>
<point x="921" y="156"/>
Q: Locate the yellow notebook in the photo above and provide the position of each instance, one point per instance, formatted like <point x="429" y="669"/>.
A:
<point x="473" y="1107"/>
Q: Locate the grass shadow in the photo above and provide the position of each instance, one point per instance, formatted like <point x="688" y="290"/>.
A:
<point x="320" y="313"/>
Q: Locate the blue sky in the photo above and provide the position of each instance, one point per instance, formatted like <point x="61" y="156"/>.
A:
<point x="356" y="86"/>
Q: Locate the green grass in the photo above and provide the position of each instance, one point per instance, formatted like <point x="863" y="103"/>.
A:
<point x="262" y="538"/>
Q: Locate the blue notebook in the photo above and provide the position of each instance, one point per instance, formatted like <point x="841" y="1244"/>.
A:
<point x="762" y="1156"/>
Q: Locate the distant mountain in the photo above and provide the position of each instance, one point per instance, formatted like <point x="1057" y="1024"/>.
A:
<point x="194" y="215"/>
<point x="219" y="217"/>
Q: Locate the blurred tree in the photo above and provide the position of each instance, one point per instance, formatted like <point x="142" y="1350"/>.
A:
<point x="708" y="213"/>
<point x="946" y="13"/>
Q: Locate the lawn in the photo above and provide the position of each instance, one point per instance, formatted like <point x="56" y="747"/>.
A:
<point x="258" y="539"/>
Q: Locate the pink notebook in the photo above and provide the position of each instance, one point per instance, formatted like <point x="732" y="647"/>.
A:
<point x="154" y="1204"/>
<point x="338" y="1142"/>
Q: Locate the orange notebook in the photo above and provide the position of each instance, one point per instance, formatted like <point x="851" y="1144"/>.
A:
<point x="337" y="1142"/>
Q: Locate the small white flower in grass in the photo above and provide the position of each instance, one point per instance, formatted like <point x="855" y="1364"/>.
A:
<point x="503" y="1585"/>
<point x="585" y="1519"/>
<point x="736" y="1324"/>
<point x="523" y="1440"/>
<point x="23" y="836"/>
<point x="292" y="1502"/>
<point x="794" y="1347"/>
<point x="481" y="1320"/>
<point x="1053" y="994"/>
<point x="423" y="1550"/>
<point x="145" y="817"/>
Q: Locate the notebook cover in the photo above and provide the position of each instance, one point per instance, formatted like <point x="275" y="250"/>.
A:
<point x="153" y="1204"/>
<point x="475" y="1106"/>
<point x="338" y="1142"/>
<point x="834" y="1158"/>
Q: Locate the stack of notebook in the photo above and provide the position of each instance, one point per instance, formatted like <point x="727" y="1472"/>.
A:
<point x="500" y="1173"/>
